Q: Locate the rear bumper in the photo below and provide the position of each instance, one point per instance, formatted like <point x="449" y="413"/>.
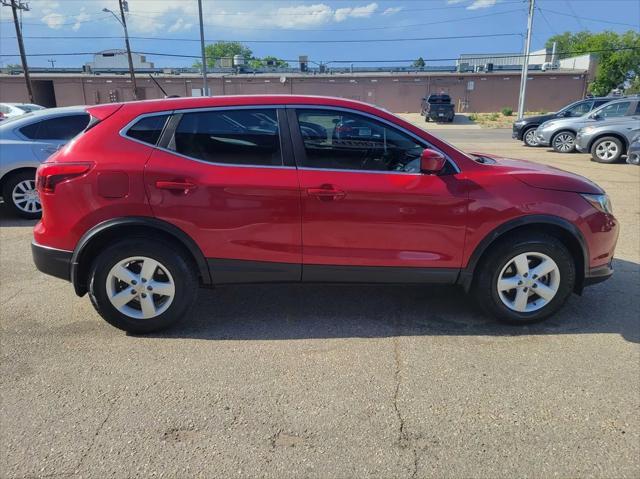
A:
<point x="51" y="261"/>
<point x="599" y="274"/>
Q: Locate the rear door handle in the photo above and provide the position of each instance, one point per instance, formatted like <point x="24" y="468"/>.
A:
<point x="175" y="185"/>
<point x="326" y="193"/>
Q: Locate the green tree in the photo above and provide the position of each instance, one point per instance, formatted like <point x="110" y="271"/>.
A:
<point x="618" y="65"/>
<point x="419" y="63"/>
<point x="268" y="61"/>
<point x="215" y="51"/>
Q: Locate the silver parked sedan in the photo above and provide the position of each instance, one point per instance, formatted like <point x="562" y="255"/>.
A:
<point x="25" y="142"/>
<point x="609" y="140"/>
<point x="561" y="133"/>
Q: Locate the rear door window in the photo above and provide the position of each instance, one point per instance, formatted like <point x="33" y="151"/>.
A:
<point x="60" y="128"/>
<point x="236" y="137"/>
<point x="148" y="129"/>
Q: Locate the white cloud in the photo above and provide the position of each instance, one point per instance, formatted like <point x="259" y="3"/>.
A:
<point x="478" y="4"/>
<point x="154" y="17"/>
<point x="180" y="24"/>
<point x="53" y="20"/>
<point x="392" y="10"/>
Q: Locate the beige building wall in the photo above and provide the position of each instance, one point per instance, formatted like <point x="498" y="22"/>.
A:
<point x="398" y="93"/>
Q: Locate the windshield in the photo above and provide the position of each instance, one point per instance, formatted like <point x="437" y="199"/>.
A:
<point x="13" y="119"/>
<point x="29" y="107"/>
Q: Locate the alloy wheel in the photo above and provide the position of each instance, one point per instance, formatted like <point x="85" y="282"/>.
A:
<point x="140" y="287"/>
<point x="530" y="137"/>
<point x="607" y="150"/>
<point x="564" y="142"/>
<point x="528" y="282"/>
<point x="26" y="198"/>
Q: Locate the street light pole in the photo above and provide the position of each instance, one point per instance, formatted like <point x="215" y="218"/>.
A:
<point x="205" y="87"/>
<point x="126" y="40"/>
<point x="123" y="22"/>
<point x="525" y="63"/>
<point x="15" y="6"/>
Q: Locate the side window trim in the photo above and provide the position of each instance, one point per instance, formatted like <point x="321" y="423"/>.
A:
<point x="167" y="141"/>
<point x="300" y="152"/>
<point x="125" y="129"/>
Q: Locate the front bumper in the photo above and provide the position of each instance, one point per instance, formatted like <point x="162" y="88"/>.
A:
<point x="599" y="274"/>
<point x="543" y="138"/>
<point x="51" y="261"/>
<point x="582" y="143"/>
<point x="516" y="132"/>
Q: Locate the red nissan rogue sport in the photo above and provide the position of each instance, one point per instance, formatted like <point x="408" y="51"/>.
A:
<point x="157" y="198"/>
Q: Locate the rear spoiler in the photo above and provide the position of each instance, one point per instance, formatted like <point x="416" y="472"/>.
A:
<point x="102" y="112"/>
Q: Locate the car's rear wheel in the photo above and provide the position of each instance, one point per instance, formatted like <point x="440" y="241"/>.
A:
<point x="141" y="285"/>
<point x="525" y="279"/>
<point x="20" y="195"/>
<point x="607" y="150"/>
<point x="564" y="142"/>
<point x="529" y="136"/>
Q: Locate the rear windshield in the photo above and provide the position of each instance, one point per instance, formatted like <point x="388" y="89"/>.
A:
<point x="58" y="128"/>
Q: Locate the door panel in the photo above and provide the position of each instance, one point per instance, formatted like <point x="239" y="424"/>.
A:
<point x="380" y="219"/>
<point x="232" y="212"/>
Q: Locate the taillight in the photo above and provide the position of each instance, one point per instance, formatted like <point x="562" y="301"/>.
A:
<point x="51" y="174"/>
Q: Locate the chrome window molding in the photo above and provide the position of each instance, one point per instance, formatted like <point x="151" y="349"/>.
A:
<point x="416" y="137"/>
<point x="123" y="133"/>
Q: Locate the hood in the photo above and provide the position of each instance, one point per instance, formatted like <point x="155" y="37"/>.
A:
<point x="543" y="176"/>
<point x="539" y="118"/>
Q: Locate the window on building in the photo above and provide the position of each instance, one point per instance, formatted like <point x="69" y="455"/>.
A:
<point x="241" y="137"/>
<point x="348" y="141"/>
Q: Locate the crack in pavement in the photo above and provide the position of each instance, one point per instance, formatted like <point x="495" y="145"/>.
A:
<point x="403" y="438"/>
<point x="95" y="435"/>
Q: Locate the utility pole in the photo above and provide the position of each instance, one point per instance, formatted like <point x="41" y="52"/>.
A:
<point x="525" y="63"/>
<point x="53" y="62"/>
<point x="205" y="87"/>
<point x="122" y="4"/>
<point x="15" y="6"/>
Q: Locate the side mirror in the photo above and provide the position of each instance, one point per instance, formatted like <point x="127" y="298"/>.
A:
<point x="565" y="114"/>
<point x="431" y="161"/>
<point x="596" y="116"/>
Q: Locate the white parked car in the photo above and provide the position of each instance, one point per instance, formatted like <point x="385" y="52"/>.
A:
<point x="9" y="110"/>
<point x="25" y="142"/>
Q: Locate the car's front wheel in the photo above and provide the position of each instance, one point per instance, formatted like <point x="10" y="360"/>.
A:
<point x="20" y="194"/>
<point x="529" y="136"/>
<point x="525" y="279"/>
<point x="607" y="150"/>
<point x="142" y="285"/>
<point x="564" y="142"/>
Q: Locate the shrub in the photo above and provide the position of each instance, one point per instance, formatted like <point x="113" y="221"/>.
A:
<point x="473" y="116"/>
<point x="493" y="117"/>
<point x="506" y="111"/>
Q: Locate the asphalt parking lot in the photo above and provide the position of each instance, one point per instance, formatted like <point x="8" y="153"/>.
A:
<point x="327" y="381"/>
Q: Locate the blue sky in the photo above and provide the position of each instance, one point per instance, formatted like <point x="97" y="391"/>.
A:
<point x="255" y="21"/>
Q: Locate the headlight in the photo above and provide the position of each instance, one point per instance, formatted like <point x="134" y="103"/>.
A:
<point x="520" y="122"/>
<point x="546" y="125"/>
<point x="586" y="130"/>
<point x="600" y="202"/>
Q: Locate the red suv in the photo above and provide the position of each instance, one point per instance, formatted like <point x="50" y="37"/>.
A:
<point x="157" y="198"/>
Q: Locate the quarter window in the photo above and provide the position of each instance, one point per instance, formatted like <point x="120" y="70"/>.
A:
<point x="240" y="137"/>
<point x="348" y="141"/>
<point x="148" y="129"/>
<point x="60" y="128"/>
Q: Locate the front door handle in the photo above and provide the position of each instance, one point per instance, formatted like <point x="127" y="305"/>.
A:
<point x="326" y="193"/>
<point x="175" y="185"/>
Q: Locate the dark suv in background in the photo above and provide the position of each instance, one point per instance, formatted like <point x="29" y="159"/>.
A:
<point x="524" y="129"/>
<point x="438" y="108"/>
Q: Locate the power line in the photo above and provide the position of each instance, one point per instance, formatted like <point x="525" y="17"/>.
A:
<point x="598" y="20"/>
<point x="484" y="57"/>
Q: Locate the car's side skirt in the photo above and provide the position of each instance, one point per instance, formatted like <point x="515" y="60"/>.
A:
<point x="230" y="271"/>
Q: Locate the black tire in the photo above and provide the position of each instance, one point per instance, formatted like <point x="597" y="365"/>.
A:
<point x="485" y="283"/>
<point x="171" y="257"/>
<point x="426" y="118"/>
<point x="603" y="158"/>
<point x="525" y="140"/>
<point x="10" y="184"/>
<point x="555" y="141"/>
